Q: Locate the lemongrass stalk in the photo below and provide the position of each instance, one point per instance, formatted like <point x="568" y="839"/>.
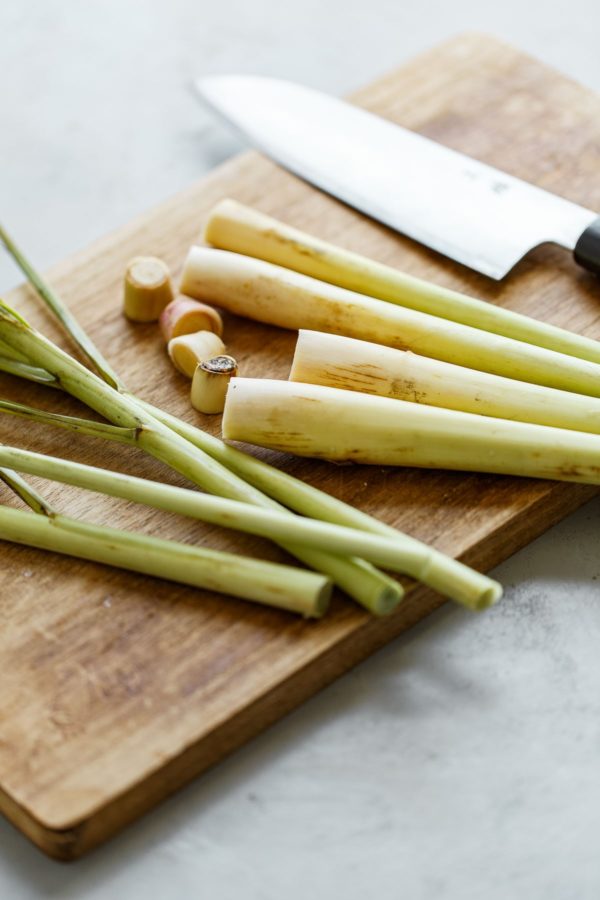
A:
<point x="22" y="370"/>
<point x="71" y="423"/>
<point x="440" y="572"/>
<point x="268" y="293"/>
<point x="27" y="493"/>
<point x="277" y="585"/>
<point x="365" y="584"/>
<point x="302" y="497"/>
<point x="328" y="423"/>
<point x="340" y="362"/>
<point x="399" y="554"/>
<point x="373" y="589"/>
<point x="61" y="311"/>
<point x="235" y="227"/>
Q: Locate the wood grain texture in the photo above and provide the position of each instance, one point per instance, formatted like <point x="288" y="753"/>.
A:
<point x="118" y="689"/>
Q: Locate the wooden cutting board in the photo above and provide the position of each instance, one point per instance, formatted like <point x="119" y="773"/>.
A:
<point x="118" y="689"/>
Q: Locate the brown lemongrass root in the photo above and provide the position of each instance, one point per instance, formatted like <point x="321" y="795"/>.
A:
<point x="268" y="293"/>
<point x="328" y="423"/>
<point x="189" y="350"/>
<point x="210" y="382"/>
<point x="186" y="316"/>
<point x="335" y="361"/>
<point x="147" y="289"/>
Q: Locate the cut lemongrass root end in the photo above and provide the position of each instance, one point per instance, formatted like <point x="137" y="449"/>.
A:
<point x="147" y="289"/>
<point x="210" y="382"/>
<point x="186" y="316"/>
<point x="188" y="351"/>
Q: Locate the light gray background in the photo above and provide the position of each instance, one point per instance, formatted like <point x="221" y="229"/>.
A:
<point x="460" y="762"/>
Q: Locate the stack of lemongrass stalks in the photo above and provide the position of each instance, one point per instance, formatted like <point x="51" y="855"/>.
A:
<point x="481" y="388"/>
<point x="338" y="542"/>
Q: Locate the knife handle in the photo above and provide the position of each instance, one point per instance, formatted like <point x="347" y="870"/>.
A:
<point x="587" y="248"/>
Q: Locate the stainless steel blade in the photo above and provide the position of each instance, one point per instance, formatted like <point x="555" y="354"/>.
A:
<point x="465" y="209"/>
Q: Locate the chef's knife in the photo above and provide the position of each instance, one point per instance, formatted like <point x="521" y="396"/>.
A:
<point x="467" y="210"/>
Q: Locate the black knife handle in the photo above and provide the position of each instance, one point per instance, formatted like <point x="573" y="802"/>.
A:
<point x="587" y="248"/>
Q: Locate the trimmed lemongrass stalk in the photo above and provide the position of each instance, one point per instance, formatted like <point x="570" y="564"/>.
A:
<point x="189" y="350"/>
<point x="186" y="316"/>
<point x="210" y="382"/>
<point x="373" y="589"/>
<point x="147" y="289"/>
<point x="277" y="296"/>
<point x="340" y="362"/>
<point x="277" y="585"/>
<point x="328" y="423"/>
<point x="399" y="554"/>
<point x="62" y="313"/>
<point x="232" y="226"/>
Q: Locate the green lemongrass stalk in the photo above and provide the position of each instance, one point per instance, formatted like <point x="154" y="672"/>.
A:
<point x="399" y="554"/>
<point x="62" y="313"/>
<point x="71" y="423"/>
<point x="373" y="589"/>
<point x="394" y="550"/>
<point x="277" y="585"/>
<point x="232" y="226"/>
<point x="308" y="594"/>
<point x="360" y="580"/>
<point x="27" y="493"/>
<point x="328" y="423"/>
<point x="340" y="362"/>
<point x="22" y="370"/>
<point x="269" y="293"/>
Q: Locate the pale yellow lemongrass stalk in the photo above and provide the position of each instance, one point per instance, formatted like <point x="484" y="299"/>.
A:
<point x="341" y="362"/>
<point x="328" y="423"/>
<point x="269" y="293"/>
<point x="232" y="226"/>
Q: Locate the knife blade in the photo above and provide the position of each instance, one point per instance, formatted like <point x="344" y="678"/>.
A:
<point x="477" y="215"/>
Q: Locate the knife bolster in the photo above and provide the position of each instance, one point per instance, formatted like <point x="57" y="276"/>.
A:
<point x="587" y="248"/>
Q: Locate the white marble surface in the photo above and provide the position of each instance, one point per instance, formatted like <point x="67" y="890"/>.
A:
<point x="462" y="761"/>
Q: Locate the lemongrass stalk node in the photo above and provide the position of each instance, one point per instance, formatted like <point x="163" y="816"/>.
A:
<point x="186" y="316"/>
<point x="210" y="382"/>
<point x="188" y="351"/>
